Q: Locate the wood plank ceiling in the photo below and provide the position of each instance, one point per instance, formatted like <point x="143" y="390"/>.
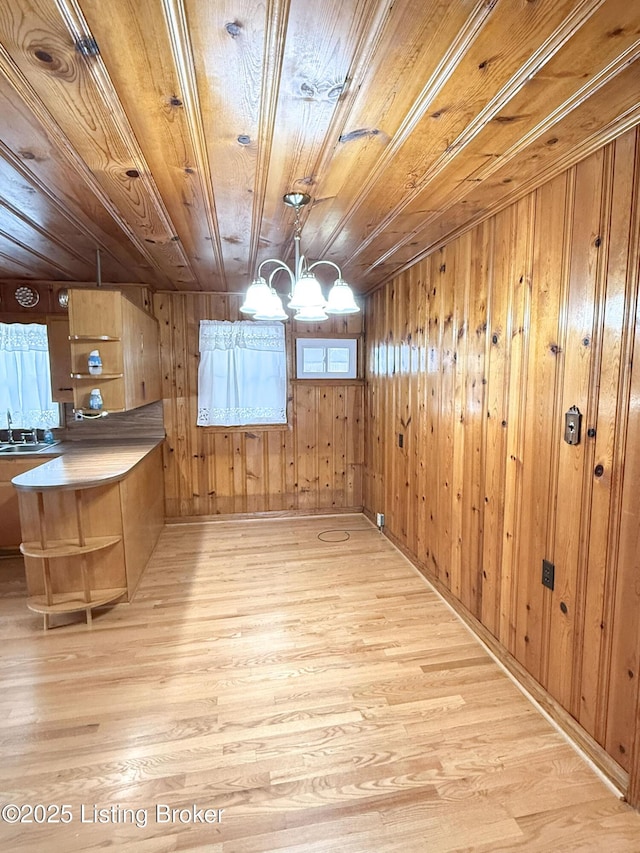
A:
<point x="165" y="132"/>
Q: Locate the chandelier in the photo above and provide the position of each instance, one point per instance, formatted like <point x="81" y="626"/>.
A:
<point x="306" y="299"/>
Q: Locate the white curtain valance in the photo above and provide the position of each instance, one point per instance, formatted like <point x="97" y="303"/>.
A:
<point x="23" y="337"/>
<point x="242" y="375"/>
<point x="246" y="334"/>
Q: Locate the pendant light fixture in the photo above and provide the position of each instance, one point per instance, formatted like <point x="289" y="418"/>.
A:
<point x="306" y="297"/>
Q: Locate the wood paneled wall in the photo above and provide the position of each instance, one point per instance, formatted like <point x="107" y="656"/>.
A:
<point x="473" y="356"/>
<point x="312" y="465"/>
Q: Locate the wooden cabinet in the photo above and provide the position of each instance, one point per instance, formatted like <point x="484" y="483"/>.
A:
<point x="59" y="358"/>
<point x="10" y="536"/>
<point x="127" y="339"/>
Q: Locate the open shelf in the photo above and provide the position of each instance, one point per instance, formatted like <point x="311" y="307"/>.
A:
<point x="92" y="338"/>
<point x="67" y="547"/>
<point x="73" y="602"/>
<point x="97" y="376"/>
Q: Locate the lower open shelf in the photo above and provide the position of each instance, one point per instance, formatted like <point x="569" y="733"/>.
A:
<point x="68" y="547"/>
<point x="72" y="602"/>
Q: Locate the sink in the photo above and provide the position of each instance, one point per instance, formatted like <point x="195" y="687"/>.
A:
<point x="39" y="447"/>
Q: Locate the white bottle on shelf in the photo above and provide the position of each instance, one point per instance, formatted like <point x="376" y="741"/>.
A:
<point x="95" y="363"/>
<point x="95" y="399"/>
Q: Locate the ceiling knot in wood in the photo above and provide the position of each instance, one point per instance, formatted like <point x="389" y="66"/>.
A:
<point x="322" y="90"/>
<point x="43" y="55"/>
<point x="359" y="134"/>
<point x="233" y="28"/>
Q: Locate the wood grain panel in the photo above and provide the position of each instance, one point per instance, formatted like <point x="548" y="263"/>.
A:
<point x="541" y="415"/>
<point x="142" y="506"/>
<point x="313" y="464"/>
<point x="39" y="181"/>
<point x="497" y="364"/>
<point x="614" y="328"/>
<point x="612" y="110"/>
<point x="168" y="131"/>
<point x="10" y="536"/>
<point x="576" y="352"/>
<point x="620" y="708"/>
<point x="492" y="68"/>
<point x="529" y="314"/>
<point x="83" y="104"/>
<point x="138" y="41"/>
<point x="413" y="62"/>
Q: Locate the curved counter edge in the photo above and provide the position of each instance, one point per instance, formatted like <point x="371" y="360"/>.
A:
<point x="82" y="466"/>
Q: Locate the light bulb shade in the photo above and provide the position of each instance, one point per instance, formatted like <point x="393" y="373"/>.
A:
<point x="313" y="314"/>
<point x="307" y="293"/>
<point x="341" y="300"/>
<point x="257" y="292"/>
<point x="271" y="308"/>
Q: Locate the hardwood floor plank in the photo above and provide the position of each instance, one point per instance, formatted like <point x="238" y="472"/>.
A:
<point x="322" y="695"/>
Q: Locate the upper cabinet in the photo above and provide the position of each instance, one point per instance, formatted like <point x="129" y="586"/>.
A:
<point x="126" y="338"/>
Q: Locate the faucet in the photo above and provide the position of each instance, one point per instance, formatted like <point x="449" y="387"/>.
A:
<point x="30" y="436"/>
<point x="10" y="437"/>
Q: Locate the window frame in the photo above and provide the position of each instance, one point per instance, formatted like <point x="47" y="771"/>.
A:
<point x="327" y="342"/>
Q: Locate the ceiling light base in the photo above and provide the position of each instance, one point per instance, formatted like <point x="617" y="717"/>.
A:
<point x="296" y="199"/>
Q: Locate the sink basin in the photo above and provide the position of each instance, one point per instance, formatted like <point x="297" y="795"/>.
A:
<point x="39" y="447"/>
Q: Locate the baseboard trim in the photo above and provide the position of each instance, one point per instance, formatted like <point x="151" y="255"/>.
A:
<point x="266" y="516"/>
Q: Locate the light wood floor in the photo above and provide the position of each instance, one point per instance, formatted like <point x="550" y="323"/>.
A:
<point x="321" y="694"/>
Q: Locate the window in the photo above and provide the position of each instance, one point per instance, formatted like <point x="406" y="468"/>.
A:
<point x="25" y="378"/>
<point x="326" y="358"/>
<point x="242" y="376"/>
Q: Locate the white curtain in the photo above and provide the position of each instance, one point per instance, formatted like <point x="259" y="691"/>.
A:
<point x="242" y="376"/>
<point x="25" y="379"/>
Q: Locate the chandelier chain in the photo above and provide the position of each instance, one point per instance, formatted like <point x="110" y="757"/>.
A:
<point x="296" y="225"/>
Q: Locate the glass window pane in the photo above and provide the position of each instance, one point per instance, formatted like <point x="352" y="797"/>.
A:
<point x="338" y="359"/>
<point x="313" y="360"/>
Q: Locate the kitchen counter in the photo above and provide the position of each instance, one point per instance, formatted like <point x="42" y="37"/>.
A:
<point x="81" y="465"/>
<point x="90" y="517"/>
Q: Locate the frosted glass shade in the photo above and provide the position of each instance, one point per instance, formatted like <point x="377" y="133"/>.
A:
<point x="313" y="314"/>
<point x="271" y="308"/>
<point x="257" y="293"/>
<point x="341" y="299"/>
<point x="307" y="293"/>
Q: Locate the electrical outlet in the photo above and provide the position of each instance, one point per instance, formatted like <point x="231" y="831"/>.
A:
<point x="380" y="520"/>
<point x="548" y="574"/>
<point x="77" y="416"/>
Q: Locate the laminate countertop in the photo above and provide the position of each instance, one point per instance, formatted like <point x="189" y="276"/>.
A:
<point x="82" y="464"/>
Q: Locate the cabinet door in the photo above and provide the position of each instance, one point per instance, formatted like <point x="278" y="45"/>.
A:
<point x="94" y="314"/>
<point x="152" y="385"/>
<point x="60" y="359"/>
<point x="141" y="357"/>
<point x="10" y="536"/>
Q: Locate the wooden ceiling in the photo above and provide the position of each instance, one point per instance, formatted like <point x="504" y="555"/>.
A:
<point x="165" y="132"/>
